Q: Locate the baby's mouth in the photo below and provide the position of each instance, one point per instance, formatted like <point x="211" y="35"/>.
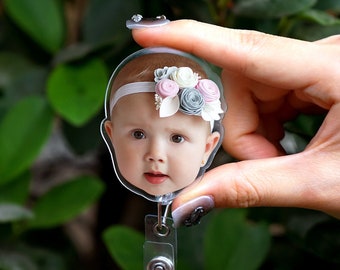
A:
<point x="155" y="177"/>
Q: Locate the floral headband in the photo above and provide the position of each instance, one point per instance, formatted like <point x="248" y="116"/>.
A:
<point x="178" y="89"/>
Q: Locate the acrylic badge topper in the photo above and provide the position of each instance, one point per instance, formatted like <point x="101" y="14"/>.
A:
<point x="162" y="126"/>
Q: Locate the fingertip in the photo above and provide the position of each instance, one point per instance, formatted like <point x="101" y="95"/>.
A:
<point x="159" y="36"/>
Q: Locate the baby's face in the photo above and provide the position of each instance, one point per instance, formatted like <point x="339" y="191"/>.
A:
<point x="158" y="155"/>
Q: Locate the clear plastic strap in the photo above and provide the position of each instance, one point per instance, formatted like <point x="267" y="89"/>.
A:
<point x="160" y="246"/>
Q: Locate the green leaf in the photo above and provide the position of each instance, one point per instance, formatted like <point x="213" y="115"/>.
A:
<point x="106" y="27"/>
<point x="79" y="143"/>
<point x="125" y="246"/>
<point x="66" y="201"/>
<point x="333" y="5"/>
<point x="40" y="19"/>
<point x="77" y="92"/>
<point x="23" y="132"/>
<point x="19" y="78"/>
<point x="271" y="8"/>
<point x="17" y="190"/>
<point x="10" y="212"/>
<point x="320" y="17"/>
<point x="232" y="243"/>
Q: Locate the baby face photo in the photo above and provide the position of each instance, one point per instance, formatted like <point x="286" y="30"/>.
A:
<point x="162" y="113"/>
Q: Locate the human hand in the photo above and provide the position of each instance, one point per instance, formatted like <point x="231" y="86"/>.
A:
<point x="267" y="80"/>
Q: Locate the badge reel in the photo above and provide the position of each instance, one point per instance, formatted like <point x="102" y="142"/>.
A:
<point x="160" y="246"/>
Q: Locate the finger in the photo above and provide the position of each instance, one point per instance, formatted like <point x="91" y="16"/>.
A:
<point x="246" y="135"/>
<point x="277" y="182"/>
<point x="251" y="53"/>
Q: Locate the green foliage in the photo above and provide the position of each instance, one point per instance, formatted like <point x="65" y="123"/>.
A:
<point x="65" y="201"/>
<point x="31" y="17"/>
<point x="125" y="245"/>
<point x="55" y="60"/>
<point x="229" y="239"/>
<point x="77" y="92"/>
<point x="30" y="120"/>
<point x="271" y="9"/>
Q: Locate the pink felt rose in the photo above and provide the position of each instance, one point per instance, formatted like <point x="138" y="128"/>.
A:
<point x="166" y="88"/>
<point x="208" y="89"/>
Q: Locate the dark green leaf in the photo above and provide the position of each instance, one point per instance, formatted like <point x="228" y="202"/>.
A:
<point x="23" y="132"/>
<point x="271" y="8"/>
<point x="77" y="91"/>
<point x="331" y="5"/>
<point x="41" y="19"/>
<point x="324" y="240"/>
<point x="17" y="190"/>
<point x="75" y="135"/>
<point x="18" y="79"/>
<point x="125" y="246"/>
<point x="10" y="212"/>
<point x="313" y="32"/>
<point x="305" y="125"/>
<point x="66" y="201"/>
<point x="320" y="17"/>
<point x="105" y="21"/>
<point x="42" y="257"/>
<point x="230" y="239"/>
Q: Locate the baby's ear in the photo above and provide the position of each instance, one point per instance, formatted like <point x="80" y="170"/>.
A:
<point x="212" y="142"/>
<point x="108" y="127"/>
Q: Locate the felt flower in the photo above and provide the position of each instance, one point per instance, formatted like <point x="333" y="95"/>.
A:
<point x="163" y="73"/>
<point x="191" y="101"/>
<point x="212" y="110"/>
<point x="180" y="89"/>
<point x="184" y="77"/>
<point x="166" y="88"/>
<point x="208" y="89"/>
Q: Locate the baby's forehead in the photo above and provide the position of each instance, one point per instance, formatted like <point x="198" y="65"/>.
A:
<point x="141" y="68"/>
<point x="137" y="108"/>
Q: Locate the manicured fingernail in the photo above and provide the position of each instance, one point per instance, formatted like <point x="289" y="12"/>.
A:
<point x="137" y="22"/>
<point x="190" y="213"/>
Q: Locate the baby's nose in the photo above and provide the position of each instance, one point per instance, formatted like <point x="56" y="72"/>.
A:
<point x="156" y="152"/>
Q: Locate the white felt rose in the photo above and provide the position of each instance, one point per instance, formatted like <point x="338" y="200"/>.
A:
<point x="184" y="77"/>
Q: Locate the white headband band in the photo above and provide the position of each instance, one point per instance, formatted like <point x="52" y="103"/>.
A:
<point x="178" y="89"/>
<point x="132" y="88"/>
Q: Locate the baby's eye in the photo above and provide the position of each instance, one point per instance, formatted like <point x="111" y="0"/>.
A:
<point x="177" y="138"/>
<point x="138" y="134"/>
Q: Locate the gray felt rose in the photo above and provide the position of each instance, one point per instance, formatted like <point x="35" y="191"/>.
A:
<point x="191" y="101"/>
<point x="163" y="73"/>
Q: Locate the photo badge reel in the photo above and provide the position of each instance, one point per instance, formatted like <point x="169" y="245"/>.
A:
<point x="162" y="126"/>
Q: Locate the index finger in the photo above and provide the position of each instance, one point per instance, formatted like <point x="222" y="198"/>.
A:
<point x="271" y="59"/>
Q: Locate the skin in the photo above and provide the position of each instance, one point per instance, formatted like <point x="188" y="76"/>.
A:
<point x="158" y="155"/>
<point x="268" y="80"/>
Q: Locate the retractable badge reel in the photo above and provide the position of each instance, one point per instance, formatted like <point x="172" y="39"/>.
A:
<point x="157" y="100"/>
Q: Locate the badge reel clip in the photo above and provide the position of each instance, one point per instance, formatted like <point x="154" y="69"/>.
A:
<point x="160" y="246"/>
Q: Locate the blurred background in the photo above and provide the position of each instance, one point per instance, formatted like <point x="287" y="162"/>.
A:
<point x="61" y="206"/>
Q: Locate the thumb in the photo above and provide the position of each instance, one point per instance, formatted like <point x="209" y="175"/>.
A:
<point x="281" y="181"/>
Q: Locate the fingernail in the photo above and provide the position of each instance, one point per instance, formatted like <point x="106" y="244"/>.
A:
<point x="137" y="22"/>
<point x="190" y="213"/>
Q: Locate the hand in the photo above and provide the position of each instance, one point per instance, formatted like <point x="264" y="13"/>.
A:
<point x="267" y="80"/>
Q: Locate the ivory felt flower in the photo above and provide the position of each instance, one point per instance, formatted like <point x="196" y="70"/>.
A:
<point x="184" y="77"/>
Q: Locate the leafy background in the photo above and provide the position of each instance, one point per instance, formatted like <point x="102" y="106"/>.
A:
<point x="60" y="204"/>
